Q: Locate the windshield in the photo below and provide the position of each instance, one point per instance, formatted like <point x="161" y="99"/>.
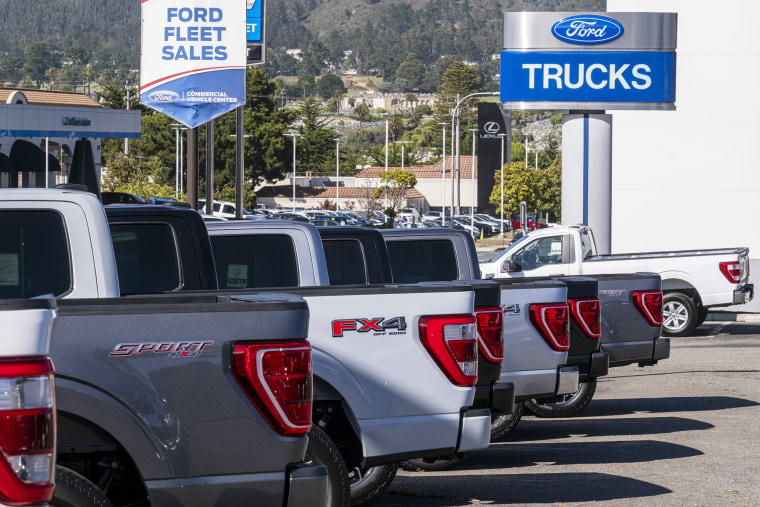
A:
<point x="509" y="248"/>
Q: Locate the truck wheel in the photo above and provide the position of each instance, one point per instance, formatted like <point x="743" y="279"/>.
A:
<point x="75" y="490"/>
<point x="369" y="483"/>
<point x="323" y="451"/>
<point x="567" y="405"/>
<point x="502" y="425"/>
<point x="428" y="464"/>
<point x="679" y="314"/>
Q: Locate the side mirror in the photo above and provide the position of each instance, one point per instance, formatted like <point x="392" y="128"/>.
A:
<point x="509" y="266"/>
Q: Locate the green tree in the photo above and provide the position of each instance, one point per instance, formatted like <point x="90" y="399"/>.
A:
<point x="78" y="55"/>
<point x="395" y="184"/>
<point x="412" y="69"/>
<point x="316" y="146"/>
<point x="39" y="59"/>
<point x="361" y="109"/>
<point x="520" y="184"/>
<point x="330" y="86"/>
<point x="458" y="81"/>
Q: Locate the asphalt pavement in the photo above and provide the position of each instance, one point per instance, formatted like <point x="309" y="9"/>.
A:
<point x="683" y="432"/>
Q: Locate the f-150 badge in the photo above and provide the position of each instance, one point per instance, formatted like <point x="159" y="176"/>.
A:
<point x="377" y="325"/>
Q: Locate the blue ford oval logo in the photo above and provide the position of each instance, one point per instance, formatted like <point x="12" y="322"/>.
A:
<point x="163" y="96"/>
<point x="587" y="29"/>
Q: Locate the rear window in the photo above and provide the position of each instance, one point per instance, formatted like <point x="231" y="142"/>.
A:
<point x="423" y="261"/>
<point x="147" y="258"/>
<point x="34" y="254"/>
<point x="345" y="261"/>
<point x="255" y="261"/>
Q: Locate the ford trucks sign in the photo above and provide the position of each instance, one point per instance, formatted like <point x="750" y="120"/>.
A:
<point x="588" y="61"/>
<point x="587" y="30"/>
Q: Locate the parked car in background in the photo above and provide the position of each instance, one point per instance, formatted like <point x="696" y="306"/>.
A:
<point x="409" y="214"/>
<point x="225" y="209"/>
<point x="431" y="215"/>
<point x="120" y="198"/>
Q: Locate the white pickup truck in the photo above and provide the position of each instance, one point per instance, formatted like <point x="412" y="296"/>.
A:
<point x="692" y="280"/>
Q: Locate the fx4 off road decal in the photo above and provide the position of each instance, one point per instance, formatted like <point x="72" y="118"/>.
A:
<point x="171" y="349"/>
<point x="612" y="292"/>
<point x="376" y="326"/>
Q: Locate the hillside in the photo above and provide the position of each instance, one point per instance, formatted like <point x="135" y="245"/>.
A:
<point x="380" y="33"/>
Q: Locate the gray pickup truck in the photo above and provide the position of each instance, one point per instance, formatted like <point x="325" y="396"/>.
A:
<point x="630" y="313"/>
<point x="162" y="400"/>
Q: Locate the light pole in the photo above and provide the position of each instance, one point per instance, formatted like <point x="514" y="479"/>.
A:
<point x="443" y="177"/>
<point x="472" y="178"/>
<point x="402" y="153"/>
<point x="239" y="167"/>
<point x="294" y="135"/>
<point x="501" y="183"/>
<point x="455" y="114"/>
<point x="177" y="158"/>
<point x="337" y="174"/>
<point x="385" y="202"/>
<point x="526" y="150"/>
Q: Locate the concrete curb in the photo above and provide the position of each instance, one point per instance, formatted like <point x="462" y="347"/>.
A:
<point x="733" y="317"/>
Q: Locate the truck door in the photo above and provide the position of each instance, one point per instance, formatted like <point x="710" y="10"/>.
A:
<point x="544" y="256"/>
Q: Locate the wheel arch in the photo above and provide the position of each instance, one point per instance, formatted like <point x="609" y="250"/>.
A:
<point x="334" y="416"/>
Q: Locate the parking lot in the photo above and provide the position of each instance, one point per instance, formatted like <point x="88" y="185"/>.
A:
<point x="684" y="432"/>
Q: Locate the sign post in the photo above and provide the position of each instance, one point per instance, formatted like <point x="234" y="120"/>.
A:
<point x="255" y="32"/>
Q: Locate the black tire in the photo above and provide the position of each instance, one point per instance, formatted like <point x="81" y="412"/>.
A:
<point x="679" y="314"/>
<point x="428" y="464"/>
<point x="701" y="315"/>
<point x="503" y="425"/>
<point x="323" y="451"/>
<point x="567" y="405"/>
<point x="369" y="483"/>
<point x="75" y="490"/>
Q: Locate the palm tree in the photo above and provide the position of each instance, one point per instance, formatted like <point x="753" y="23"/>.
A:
<point x="411" y="100"/>
<point x="86" y="75"/>
<point x="52" y="74"/>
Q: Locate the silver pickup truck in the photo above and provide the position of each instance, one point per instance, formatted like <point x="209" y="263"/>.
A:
<point x="168" y="399"/>
<point x="27" y="400"/>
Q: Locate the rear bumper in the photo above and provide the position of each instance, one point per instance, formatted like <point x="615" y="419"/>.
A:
<point x="625" y="353"/>
<point x="538" y="384"/>
<point x="302" y="485"/>
<point x="591" y="365"/>
<point x="475" y="430"/>
<point x="307" y="485"/>
<point x="499" y="397"/>
<point x="744" y="295"/>
<point x="568" y="378"/>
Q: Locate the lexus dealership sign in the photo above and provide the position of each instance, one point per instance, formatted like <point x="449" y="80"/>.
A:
<point x="588" y="61"/>
<point x="193" y="58"/>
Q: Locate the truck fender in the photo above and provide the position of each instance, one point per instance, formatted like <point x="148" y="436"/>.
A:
<point x="679" y="281"/>
<point x="103" y="416"/>
<point x="343" y="382"/>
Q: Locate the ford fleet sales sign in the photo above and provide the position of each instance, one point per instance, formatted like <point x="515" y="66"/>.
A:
<point x="588" y="61"/>
<point x="193" y="61"/>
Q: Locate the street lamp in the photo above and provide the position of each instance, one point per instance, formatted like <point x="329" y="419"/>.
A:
<point x="294" y="135"/>
<point x="402" y="153"/>
<point x="443" y="177"/>
<point x="178" y="127"/>
<point x="239" y="166"/>
<point x="385" y="201"/>
<point x="337" y="174"/>
<point x="472" y="178"/>
<point x="501" y="183"/>
<point x="455" y="114"/>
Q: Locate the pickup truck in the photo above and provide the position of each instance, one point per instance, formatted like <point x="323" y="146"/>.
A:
<point x="693" y="281"/>
<point x="161" y="400"/>
<point x="27" y="401"/>
<point x="630" y="313"/>
<point x="388" y="383"/>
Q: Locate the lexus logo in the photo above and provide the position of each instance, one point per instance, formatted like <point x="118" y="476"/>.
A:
<point x="491" y="127"/>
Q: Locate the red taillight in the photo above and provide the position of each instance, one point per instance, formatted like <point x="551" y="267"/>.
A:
<point x="451" y="342"/>
<point x="27" y="431"/>
<point x="490" y="323"/>
<point x="587" y="315"/>
<point x="732" y="271"/>
<point x="649" y="305"/>
<point x="552" y="323"/>
<point x="277" y="379"/>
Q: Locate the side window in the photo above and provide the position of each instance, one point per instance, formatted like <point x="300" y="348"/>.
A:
<point x="253" y="261"/>
<point x="423" y="261"/>
<point x="147" y="259"/>
<point x="540" y="252"/>
<point x="34" y="254"/>
<point x="345" y="262"/>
